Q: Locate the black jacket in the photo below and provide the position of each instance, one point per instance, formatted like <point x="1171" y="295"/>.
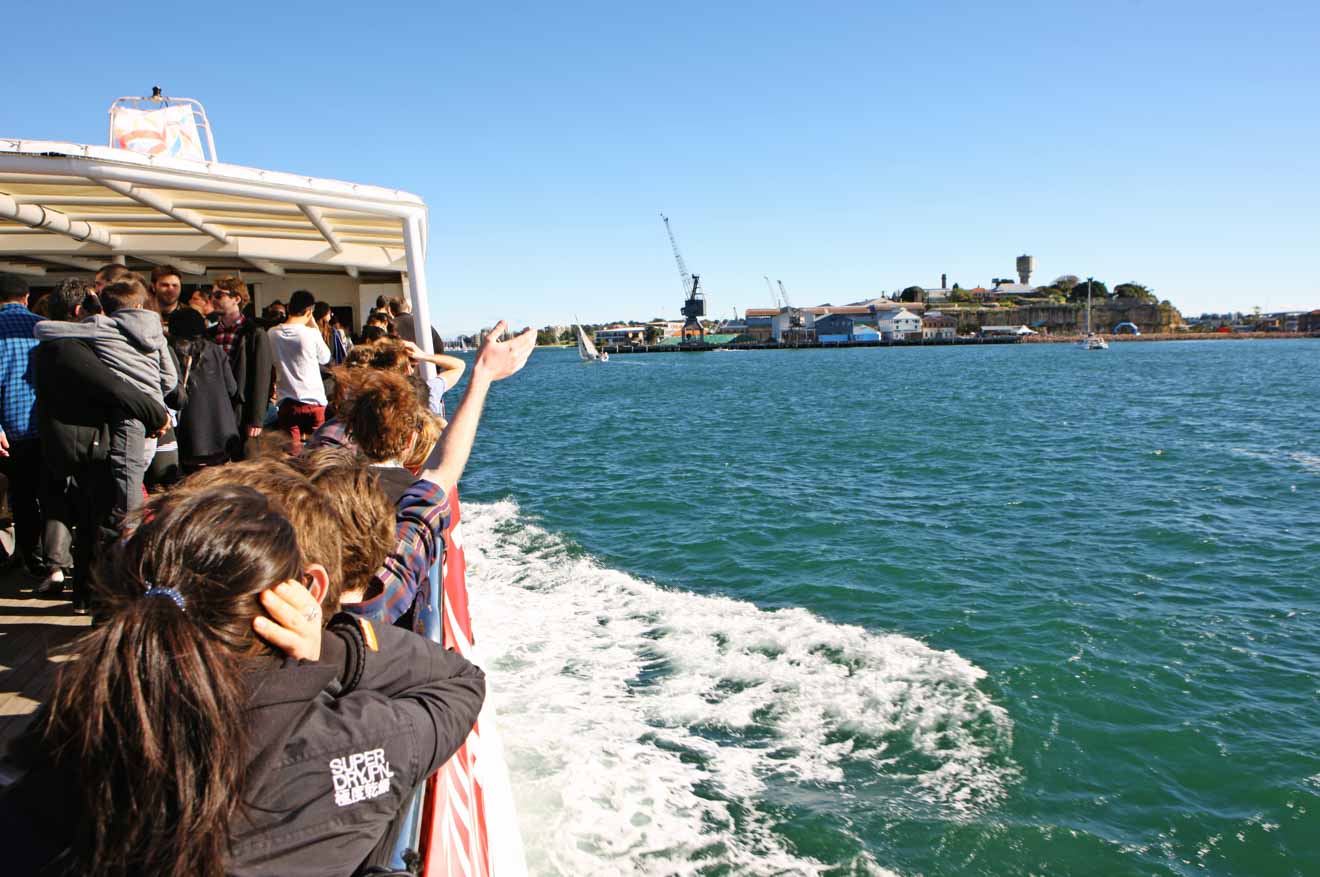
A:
<point x="253" y="364"/>
<point x="337" y="746"/>
<point x="206" y="421"/>
<point x="406" y="327"/>
<point x="77" y="398"/>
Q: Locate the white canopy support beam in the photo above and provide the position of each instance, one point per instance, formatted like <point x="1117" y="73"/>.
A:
<point x="352" y="272"/>
<point x="190" y="268"/>
<point x="265" y="265"/>
<point x="52" y="220"/>
<point x="186" y="246"/>
<point x="316" y="218"/>
<point x="78" y="262"/>
<point x="415" y="239"/>
<point x="19" y="268"/>
<point x="161" y="204"/>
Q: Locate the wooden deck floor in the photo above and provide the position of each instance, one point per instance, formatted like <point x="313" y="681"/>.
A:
<point x="34" y="639"/>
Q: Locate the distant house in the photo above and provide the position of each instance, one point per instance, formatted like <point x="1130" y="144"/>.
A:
<point x="1008" y="290"/>
<point x="759" y="323"/>
<point x="898" y="325"/>
<point x="834" y="328"/>
<point x="667" y="328"/>
<point x="621" y="335"/>
<point x="863" y="332"/>
<point x="939" y="326"/>
<point x="1309" y="322"/>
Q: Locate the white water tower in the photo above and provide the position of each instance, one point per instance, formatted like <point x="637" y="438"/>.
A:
<point x="1025" y="265"/>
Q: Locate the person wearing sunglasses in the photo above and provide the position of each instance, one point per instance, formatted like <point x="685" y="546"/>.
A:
<point x="251" y="357"/>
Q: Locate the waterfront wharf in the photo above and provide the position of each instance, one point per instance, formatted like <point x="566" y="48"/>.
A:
<point x="802" y="345"/>
<point x="955" y="342"/>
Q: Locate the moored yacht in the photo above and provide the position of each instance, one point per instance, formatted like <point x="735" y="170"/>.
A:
<point x="1091" y="341"/>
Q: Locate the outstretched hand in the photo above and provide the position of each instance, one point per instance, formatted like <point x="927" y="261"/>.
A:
<point x="497" y="360"/>
<point x="296" y="628"/>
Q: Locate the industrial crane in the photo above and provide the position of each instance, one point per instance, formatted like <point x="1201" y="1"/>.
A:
<point x="787" y="303"/>
<point x="694" y="303"/>
<point x="774" y="296"/>
<point x="795" y="318"/>
<point x="678" y="257"/>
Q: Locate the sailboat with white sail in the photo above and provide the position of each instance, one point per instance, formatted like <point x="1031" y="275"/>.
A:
<point x="1091" y="341"/>
<point x="586" y="349"/>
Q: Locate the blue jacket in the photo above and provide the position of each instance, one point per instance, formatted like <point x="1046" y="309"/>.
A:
<point x="18" y="389"/>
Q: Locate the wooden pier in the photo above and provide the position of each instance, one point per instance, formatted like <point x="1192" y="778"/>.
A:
<point x="34" y="640"/>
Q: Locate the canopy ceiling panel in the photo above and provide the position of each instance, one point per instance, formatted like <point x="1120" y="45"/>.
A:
<point x="75" y="205"/>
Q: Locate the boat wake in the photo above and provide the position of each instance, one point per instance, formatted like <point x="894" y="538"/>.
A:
<point x="657" y="731"/>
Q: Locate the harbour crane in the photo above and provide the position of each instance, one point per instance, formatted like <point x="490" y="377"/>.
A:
<point x="774" y="296"/>
<point x="795" y="318"/>
<point x="787" y="303"/>
<point x="678" y="257"/>
<point x="694" y="303"/>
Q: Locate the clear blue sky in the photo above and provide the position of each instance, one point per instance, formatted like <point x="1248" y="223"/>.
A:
<point x="849" y="149"/>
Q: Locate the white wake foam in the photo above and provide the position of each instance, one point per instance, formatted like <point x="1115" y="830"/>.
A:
<point x="652" y="731"/>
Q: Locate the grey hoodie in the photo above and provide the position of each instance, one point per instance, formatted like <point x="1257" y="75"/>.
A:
<point x="130" y="342"/>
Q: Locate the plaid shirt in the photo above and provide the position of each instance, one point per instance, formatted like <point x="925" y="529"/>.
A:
<point x="18" y="391"/>
<point x="420" y="519"/>
<point x="225" y="335"/>
<point x="331" y="434"/>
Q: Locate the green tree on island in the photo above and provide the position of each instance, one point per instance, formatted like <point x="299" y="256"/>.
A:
<point x="652" y="334"/>
<point x="1099" y="292"/>
<point x="960" y="295"/>
<point x="1135" y="292"/>
<point x="913" y="294"/>
<point x="1065" y="283"/>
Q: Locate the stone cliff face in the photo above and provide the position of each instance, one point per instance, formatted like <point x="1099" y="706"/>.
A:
<point x="1070" y="319"/>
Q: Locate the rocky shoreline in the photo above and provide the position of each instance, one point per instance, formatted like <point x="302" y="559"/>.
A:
<point x="1171" y="336"/>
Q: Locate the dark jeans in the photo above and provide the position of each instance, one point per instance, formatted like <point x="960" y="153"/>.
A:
<point x="300" y="420"/>
<point x="128" y="464"/>
<point x="164" y="471"/>
<point x="22" y="468"/>
<point x="57" y="510"/>
<point x="94" y="510"/>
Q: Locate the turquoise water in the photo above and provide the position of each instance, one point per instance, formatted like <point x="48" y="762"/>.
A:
<point x="1000" y="610"/>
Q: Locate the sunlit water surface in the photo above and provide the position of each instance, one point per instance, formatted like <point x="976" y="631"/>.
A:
<point x="949" y="611"/>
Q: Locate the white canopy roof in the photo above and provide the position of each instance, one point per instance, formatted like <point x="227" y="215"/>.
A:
<point x="68" y="205"/>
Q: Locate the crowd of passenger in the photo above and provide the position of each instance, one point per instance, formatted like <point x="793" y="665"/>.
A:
<point x="250" y="506"/>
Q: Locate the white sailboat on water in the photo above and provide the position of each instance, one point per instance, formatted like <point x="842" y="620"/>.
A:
<point x="1092" y="341"/>
<point x="587" y="350"/>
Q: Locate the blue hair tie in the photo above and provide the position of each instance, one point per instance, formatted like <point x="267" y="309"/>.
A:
<point x="170" y="593"/>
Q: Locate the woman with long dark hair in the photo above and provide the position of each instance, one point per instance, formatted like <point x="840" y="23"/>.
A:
<point x="180" y="742"/>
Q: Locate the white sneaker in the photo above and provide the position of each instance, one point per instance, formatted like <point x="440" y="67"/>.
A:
<point x="51" y="585"/>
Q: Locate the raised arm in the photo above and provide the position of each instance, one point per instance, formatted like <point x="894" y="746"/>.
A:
<point x="496" y="360"/>
<point x="449" y="368"/>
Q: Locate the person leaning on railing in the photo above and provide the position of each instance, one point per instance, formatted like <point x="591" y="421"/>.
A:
<point x="213" y="725"/>
<point x="382" y="417"/>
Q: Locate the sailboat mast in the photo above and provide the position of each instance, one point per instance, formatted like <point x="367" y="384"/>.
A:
<point x="1088" y="306"/>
